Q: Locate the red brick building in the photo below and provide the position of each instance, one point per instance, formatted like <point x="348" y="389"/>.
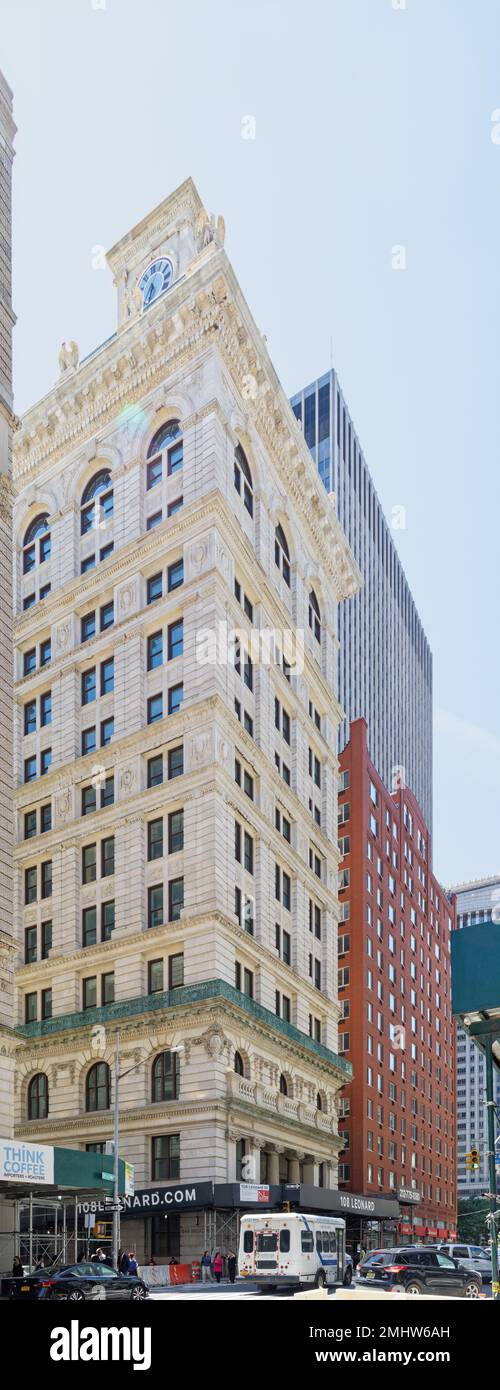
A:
<point x="399" y="1112"/>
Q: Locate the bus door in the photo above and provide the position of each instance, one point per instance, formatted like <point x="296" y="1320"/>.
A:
<point x="340" y="1244"/>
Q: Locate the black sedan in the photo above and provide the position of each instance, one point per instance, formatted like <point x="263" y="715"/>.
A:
<point x="417" y="1270"/>
<point x="76" y="1282"/>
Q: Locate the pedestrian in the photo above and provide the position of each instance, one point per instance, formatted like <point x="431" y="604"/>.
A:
<point x="231" y="1266"/>
<point x="362" y="1254"/>
<point x="206" y="1268"/>
<point x="81" y="1257"/>
<point x="17" y="1268"/>
<point x="132" y="1263"/>
<point x="217" y="1264"/>
<point x="124" y="1263"/>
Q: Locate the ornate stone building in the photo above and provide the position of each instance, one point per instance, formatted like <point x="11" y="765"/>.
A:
<point x="7" y="952"/>
<point x="176" y="785"/>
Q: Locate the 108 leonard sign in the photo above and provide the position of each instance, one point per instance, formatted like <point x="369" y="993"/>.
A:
<point x="148" y="1201"/>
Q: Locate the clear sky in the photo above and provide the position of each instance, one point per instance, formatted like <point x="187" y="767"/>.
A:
<point x="372" y="130"/>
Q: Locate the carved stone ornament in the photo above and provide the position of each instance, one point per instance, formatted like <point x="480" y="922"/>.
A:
<point x="63" y="634"/>
<point x="214" y="1042"/>
<point x="63" y="805"/>
<point x="209" y="230"/>
<point x="126" y="597"/>
<point x="127" y="780"/>
<point x="68" y="357"/>
<point x="132" y="302"/>
<point x="199" y="555"/>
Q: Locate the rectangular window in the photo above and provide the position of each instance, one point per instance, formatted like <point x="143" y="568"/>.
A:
<point x="155" y="771"/>
<point x="30" y="717"/>
<point x="155" y="709"/>
<point x="87" y="564"/>
<point x="106" y="551"/>
<point x="88" y="800"/>
<point x="88" y="686"/>
<point x="107" y="675"/>
<point x="287" y="953"/>
<point x="107" y="920"/>
<point x="154" y="473"/>
<point x="165" y="1158"/>
<point x="45" y="761"/>
<point x="176" y="761"/>
<point x="174" y="506"/>
<point x="175" y="698"/>
<point x="87" y="627"/>
<point x="107" y="615"/>
<point x="30" y="885"/>
<point x="175" y="639"/>
<point x="89" y="869"/>
<point x="88" y="740"/>
<point x="89" y="926"/>
<point x="29" y="661"/>
<point x="175" y="899"/>
<point x="89" y="992"/>
<point x="30" y="945"/>
<point x="175" y="832"/>
<point x="155" y="976"/>
<point x="154" y="588"/>
<point x="176" y="971"/>
<point x="155" y="650"/>
<point x="30" y="769"/>
<point x="29" y="824"/>
<point x="175" y="575"/>
<point x="30" y="1008"/>
<point x="155" y="839"/>
<point x="248" y="853"/>
<point x="153" y="521"/>
<point x="108" y="987"/>
<point x="46" y="709"/>
<point x="108" y="857"/>
<point x="47" y="879"/>
<point x="29" y="601"/>
<point x="155" y="905"/>
<point x="45" y="817"/>
<point x="108" y="792"/>
<point x="107" y="731"/>
<point x="46" y="939"/>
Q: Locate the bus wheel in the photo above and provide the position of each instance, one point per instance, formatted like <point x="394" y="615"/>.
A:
<point x="348" y="1276"/>
<point x="320" y="1280"/>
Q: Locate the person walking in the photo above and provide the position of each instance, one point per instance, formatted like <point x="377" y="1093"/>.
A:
<point x="217" y="1266"/>
<point x="124" y="1263"/>
<point x="17" y="1268"/>
<point x="206" y="1268"/>
<point x="132" y="1263"/>
<point x="231" y="1266"/>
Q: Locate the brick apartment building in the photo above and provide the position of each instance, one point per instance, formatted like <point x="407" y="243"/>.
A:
<point x="398" y="1115"/>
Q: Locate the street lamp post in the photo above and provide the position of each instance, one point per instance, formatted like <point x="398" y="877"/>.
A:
<point x="116" y="1157"/>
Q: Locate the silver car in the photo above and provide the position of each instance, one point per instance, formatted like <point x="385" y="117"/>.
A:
<point x="472" y="1257"/>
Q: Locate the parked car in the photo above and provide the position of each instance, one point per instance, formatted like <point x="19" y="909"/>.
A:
<point x="472" y="1257"/>
<point x="418" y="1270"/>
<point x="77" y="1282"/>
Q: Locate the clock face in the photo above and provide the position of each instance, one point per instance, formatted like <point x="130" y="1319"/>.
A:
<point x="155" y="280"/>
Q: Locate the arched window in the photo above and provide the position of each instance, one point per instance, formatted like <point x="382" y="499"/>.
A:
<point x="243" y="478"/>
<point x="38" y="1097"/>
<point x="36" y="544"/>
<point x="165" y="1077"/>
<point x="238" y="1064"/>
<point x="283" y="1085"/>
<point x="282" y="554"/>
<point x="319" y="1102"/>
<point x="165" y="453"/>
<point x="314" y="616"/>
<point x="97" y="502"/>
<point x="98" y="1087"/>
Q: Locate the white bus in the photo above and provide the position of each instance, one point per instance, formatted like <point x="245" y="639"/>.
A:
<point x="291" y="1248"/>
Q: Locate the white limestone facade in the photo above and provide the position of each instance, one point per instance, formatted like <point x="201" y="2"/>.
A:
<point x="176" y="798"/>
<point x="7" y="320"/>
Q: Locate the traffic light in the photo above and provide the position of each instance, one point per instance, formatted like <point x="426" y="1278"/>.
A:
<point x="472" y="1160"/>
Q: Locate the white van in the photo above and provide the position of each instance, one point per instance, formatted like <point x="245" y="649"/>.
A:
<point x="290" y="1248"/>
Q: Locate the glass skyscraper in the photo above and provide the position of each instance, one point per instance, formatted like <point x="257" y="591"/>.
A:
<point x="385" y="663"/>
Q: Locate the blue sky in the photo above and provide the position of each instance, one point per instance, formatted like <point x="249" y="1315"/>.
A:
<point x="373" y="129"/>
